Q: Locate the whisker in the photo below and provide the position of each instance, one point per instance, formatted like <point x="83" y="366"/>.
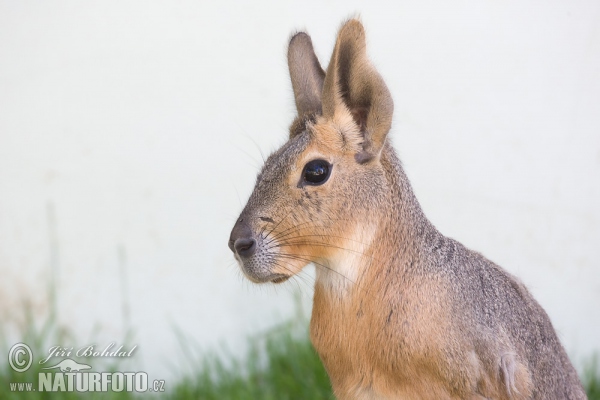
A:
<point x="292" y="228"/>
<point x="327" y="236"/>
<point x="298" y="275"/>
<point x="295" y="242"/>
<point x="299" y="257"/>
<point x="259" y="149"/>
<point x="317" y="244"/>
<point x="275" y="227"/>
<point x="299" y="227"/>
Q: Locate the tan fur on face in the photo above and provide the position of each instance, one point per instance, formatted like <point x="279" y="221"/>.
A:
<point x="337" y="249"/>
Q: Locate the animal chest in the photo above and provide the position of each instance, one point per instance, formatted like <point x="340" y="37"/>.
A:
<point x="376" y="353"/>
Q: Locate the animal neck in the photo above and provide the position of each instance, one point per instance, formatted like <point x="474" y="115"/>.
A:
<point x="404" y="222"/>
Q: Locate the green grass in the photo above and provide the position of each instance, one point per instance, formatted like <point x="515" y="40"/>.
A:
<point x="40" y="338"/>
<point x="591" y="378"/>
<point x="292" y="371"/>
<point x="280" y="364"/>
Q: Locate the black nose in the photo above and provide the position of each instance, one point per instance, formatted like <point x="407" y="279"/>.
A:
<point x="241" y="240"/>
<point x="245" y="247"/>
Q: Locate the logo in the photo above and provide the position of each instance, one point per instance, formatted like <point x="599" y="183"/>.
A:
<point x="69" y="375"/>
<point x="18" y="355"/>
<point x="69" y="365"/>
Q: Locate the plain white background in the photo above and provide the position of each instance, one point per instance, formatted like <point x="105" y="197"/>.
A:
<point x="131" y="134"/>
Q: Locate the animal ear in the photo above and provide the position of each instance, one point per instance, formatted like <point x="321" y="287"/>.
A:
<point x="306" y="74"/>
<point x="353" y="84"/>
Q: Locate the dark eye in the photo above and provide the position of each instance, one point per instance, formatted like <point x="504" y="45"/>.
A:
<point x="316" y="172"/>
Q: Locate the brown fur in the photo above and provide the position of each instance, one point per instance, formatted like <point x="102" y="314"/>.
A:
<point x="400" y="311"/>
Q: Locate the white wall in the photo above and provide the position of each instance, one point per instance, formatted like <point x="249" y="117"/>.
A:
<point x="137" y="126"/>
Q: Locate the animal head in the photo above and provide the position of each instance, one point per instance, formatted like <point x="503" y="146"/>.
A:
<point x="315" y="195"/>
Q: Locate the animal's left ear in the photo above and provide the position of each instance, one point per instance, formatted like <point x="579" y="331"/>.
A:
<point x="306" y="74"/>
<point x="353" y="84"/>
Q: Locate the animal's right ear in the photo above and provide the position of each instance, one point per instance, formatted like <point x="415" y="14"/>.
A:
<point x="306" y="74"/>
<point x="353" y="85"/>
